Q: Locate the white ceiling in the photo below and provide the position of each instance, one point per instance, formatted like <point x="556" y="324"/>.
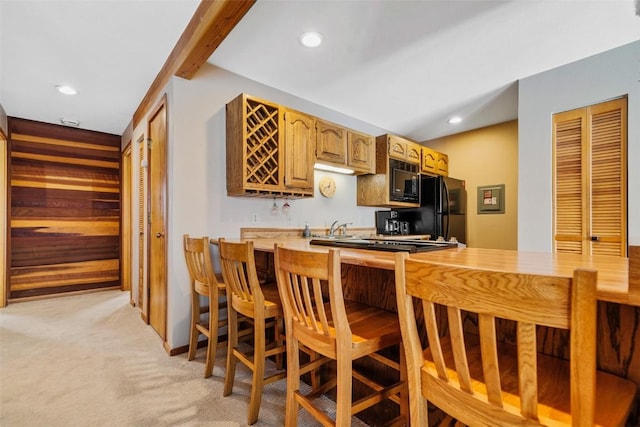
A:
<point x="109" y="50"/>
<point x="405" y="66"/>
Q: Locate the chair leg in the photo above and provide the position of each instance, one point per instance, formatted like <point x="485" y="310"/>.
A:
<point x="195" y="318"/>
<point x="257" y="383"/>
<point x="343" y="391"/>
<point x="293" y="381"/>
<point x="279" y="327"/>
<point x="315" y="373"/>
<point x="404" y="394"/>
<point x="213" y="339"/>
<point x="232" y="344"/>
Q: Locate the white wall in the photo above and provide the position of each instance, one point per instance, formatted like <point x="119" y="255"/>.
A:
<point x="198" y="202"/>
<point x="589" y="81"/>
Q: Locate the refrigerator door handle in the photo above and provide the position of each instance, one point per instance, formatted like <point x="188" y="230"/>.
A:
<point x="446" y="228"/>
<point x="445" y="207"/>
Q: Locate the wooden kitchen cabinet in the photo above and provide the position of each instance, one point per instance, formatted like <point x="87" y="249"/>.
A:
<point x="374" y="189"/>
<point x="443" y="164"/>
<point x="361" y="152"/>
<point x="300" y="141"/>
<point x="429" y="161"/>
<point x="331" y="143"/>
<point x="342" y="147"/>
<point x="434" y="163"/>
<point x="259" y="136"/>
<point x="402" y="149"/>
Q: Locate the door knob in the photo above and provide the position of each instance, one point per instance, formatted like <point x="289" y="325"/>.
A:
<point x="159" y="235"/>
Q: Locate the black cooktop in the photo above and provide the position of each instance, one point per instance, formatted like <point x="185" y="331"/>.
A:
<point x="386" y="245"/>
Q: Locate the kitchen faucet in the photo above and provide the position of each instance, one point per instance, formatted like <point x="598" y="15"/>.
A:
<point x="335" y="228"/>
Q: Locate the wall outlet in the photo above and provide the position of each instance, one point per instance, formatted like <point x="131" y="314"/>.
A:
<point x="254" y="218"/>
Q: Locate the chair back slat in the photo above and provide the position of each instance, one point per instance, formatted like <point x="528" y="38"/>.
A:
<point x="584" y="313"/>
<point x="433" y="336"/>
<point x="489" y="351"/>
<point x="457" y="345"/>
<point x="528" y="378"/>
<point x="318" y="298"/>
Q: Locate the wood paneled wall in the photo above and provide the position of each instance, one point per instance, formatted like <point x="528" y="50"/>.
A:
<point x="65" y="209"/>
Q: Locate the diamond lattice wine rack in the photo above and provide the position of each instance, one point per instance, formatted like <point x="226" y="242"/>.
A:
<point x="262" y="167"/>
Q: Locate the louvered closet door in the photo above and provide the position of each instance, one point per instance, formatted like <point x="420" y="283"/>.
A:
<point x="570" y="198"/>
<point x="608" y="129"/>
<point x="142" y="217"/>
<point x="590" y="179"/>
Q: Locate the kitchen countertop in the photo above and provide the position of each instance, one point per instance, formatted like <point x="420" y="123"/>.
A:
<point x="613" y="272"/>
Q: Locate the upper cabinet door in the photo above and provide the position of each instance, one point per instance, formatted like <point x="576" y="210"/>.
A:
<point x="442" y="165"/>
<point x="361" y="152"/>
<point x="331" y="143"/>
<point x="414" y="153"/>
<point x="429" y="161"/>
<point x="397" y="148"/>
<point x="300" y="141"/>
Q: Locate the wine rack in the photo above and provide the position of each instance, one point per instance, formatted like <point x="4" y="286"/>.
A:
<point x="262" y="148"/>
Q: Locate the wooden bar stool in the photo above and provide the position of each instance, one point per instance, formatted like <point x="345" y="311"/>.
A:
<point x="339" y="329"/>
<point x="480" y="381"/>
<point x="260" y="303"/>
<point x="204" y="282"/>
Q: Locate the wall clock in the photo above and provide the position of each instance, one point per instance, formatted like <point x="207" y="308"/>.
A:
<point x="327" y="186"/>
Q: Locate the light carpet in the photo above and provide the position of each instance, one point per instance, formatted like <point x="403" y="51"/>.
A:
<point x="89" y="360"/>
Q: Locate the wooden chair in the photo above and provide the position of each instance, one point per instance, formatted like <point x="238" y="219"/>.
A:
<point x="339" y="329"/>
<point x="260" y="303"/>
<point x="204" y="282"/>
<point x="480" y="381"/>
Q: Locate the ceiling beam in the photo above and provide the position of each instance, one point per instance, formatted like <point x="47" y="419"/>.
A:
<point x="212" y="21"/>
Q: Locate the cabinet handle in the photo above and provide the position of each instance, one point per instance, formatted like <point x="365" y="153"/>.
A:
<point x="595" y="238"/>
<point x="159" y="235"/>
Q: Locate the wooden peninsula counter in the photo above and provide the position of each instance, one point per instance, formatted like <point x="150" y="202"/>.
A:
<point x="368" y="276"/>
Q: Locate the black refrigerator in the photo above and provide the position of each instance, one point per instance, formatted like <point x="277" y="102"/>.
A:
<point x="442" y="211"/>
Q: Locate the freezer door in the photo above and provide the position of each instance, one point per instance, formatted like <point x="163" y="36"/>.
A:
<point x="455" y="195"/>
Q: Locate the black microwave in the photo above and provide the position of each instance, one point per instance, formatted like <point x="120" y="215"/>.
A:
<point x="404" y="182"/>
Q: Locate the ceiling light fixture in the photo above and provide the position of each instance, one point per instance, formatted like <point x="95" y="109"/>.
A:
<point x="454" y="120"/>
<point x="67" y="90"/>
<point x="311" y="39"/>
<point x="70" y="122"/>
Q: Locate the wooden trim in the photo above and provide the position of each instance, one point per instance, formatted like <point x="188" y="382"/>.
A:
<point x="634" y="269"/>
<point x="125" y="218"/>
<point x="160" y="108"/>
<point x="4" y="221"/>
<point x="210" y="24"/>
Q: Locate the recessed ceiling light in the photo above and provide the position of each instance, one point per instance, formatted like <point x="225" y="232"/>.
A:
<point x="311" y="39"/>
<point x="454" y="120"/>
<point x="67" y="90"/>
